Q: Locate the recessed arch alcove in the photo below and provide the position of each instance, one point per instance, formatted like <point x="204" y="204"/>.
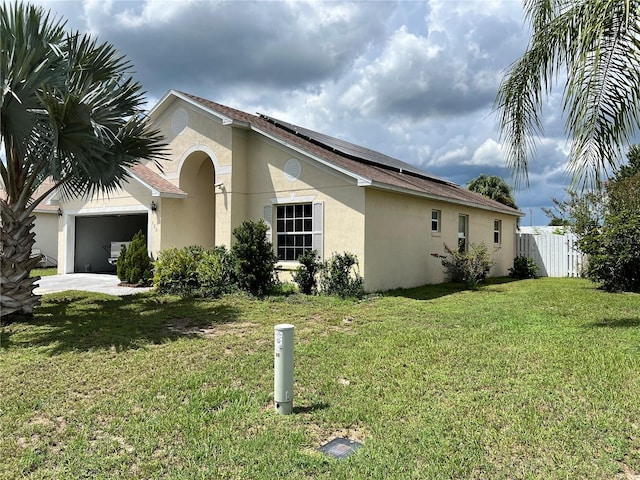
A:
<point x="193" y="218"/>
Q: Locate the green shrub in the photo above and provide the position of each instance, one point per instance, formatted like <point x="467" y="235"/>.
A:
<point x="134" y="265"/>
<point x="305" y="274"/>
<point x="176" y="270"/>
<point x="214" y="272"/>
<point x="192" y="271"/>
<point x="340" y="276"/>
<point x="254" y="260"/>
<point x="613" y="245"/>
<point x="614" y="258"/>
<point x="468" y="267"/>
<point x="523" y="267"/>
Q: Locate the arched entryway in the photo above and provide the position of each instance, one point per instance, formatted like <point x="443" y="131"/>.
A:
<point x="195" y="215"/>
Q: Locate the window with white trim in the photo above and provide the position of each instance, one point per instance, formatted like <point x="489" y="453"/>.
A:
<point x="294" y="230"/>
<point x="497" y="231"/>
<point x="463" y="232"/>
<point x="435" y="221"/>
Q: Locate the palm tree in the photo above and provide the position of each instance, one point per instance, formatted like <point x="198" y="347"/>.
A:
<point x="493" y="187"/>
<point x="595" y="42"/>
<point x="70" y="113"/>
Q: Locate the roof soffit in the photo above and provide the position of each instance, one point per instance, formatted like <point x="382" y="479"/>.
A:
<point x="444" y="198"/>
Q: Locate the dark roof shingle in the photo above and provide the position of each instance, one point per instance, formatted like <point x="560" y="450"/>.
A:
<point x="155" y="181"/>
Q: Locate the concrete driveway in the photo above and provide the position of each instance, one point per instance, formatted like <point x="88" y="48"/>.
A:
<point x="88" y="282"/>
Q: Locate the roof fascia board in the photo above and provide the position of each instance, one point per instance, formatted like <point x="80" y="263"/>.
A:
<point x="199" y="106"/>
<point x="160" y="106"/>
<point x="407" y="191"/>
<point x="361" y="181"/>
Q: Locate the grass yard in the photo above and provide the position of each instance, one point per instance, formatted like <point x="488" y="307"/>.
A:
<point x="44" y="272"/>
<point x="529" y="379"/>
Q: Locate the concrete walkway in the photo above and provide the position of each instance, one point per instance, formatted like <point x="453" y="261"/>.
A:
<point x="88" y="282"/>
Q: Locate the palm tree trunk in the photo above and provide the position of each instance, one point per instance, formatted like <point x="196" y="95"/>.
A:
<point x="16" y="241"/>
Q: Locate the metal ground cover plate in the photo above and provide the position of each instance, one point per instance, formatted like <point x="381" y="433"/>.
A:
<point x="339" y="447"/>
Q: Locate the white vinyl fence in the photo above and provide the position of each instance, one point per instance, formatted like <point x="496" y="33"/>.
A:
<point x="556" y="255"/>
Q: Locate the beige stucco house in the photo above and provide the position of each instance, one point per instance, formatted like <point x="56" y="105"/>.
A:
<point x="225" y="166"/>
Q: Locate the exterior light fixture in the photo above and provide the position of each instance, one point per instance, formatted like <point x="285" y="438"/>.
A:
<point x="154" y="207"/>
<point x="59" y="212"/>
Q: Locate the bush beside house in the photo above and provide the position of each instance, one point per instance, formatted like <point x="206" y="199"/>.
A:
<point x="469" y="266"/>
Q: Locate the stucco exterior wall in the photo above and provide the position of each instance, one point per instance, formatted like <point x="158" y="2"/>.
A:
<point x="249" y="169"/>
<point x="46" y="230"/>
<point x="399" y="241"/>
<point x="269" y="185"/>
<point x="200" y="132"/>
<point x="191" y="133"/>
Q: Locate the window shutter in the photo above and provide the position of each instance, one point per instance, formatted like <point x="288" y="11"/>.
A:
<point x="268" y="216"/>
<point x="318" y="227"/>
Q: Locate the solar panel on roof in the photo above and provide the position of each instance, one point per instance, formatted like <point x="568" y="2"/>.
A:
<point x="353" y="151"/>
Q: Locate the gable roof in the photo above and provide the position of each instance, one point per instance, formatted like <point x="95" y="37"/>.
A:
<point x="159" y="186"/>
<point x="368" y="167"/>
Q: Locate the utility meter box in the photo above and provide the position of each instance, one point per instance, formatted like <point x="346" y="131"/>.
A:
<point x="283" y="368"/>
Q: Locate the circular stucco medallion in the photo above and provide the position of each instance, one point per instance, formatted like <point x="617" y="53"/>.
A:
<point x="179" y="121"/>
<point x="292" y="170"/>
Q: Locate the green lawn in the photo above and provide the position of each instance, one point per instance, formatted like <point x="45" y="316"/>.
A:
<point x="44" y="272"/>
<point x="529" y="379"/>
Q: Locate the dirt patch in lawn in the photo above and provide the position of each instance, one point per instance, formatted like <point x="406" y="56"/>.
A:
<point x="187" y="326"/>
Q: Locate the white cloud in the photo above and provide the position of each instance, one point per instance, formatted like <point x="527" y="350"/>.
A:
<point x="150" y="12"/>
<point x="452" y="157"/>
<point x="489" y="153"/>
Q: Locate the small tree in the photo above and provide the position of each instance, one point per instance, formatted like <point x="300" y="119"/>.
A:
<point x="614" y="259"/>
<point x="340" y="276"/>
<point x="136" y="264"/>
<point x="468" y="267"/>
<point x="580" y="211"/>
<point x="122" y="265"/>
<point x="254" y="259"/>
<point x="305" y="274"/>
<point x="613" y="248"/>
<point x="607" y="223"/>
<point x="632" y="167"/>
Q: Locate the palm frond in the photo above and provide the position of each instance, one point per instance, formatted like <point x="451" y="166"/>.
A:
<point x="70" y="108"/>
<point x="30" y="59"/>
<point x="602" y="95"/>
<point x="597" y="43"/>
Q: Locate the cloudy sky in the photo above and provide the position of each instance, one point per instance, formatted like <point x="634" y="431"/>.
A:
<point x="414" y="80"/>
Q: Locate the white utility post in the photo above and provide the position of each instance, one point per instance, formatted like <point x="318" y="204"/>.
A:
<point x="283" y="369"/>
